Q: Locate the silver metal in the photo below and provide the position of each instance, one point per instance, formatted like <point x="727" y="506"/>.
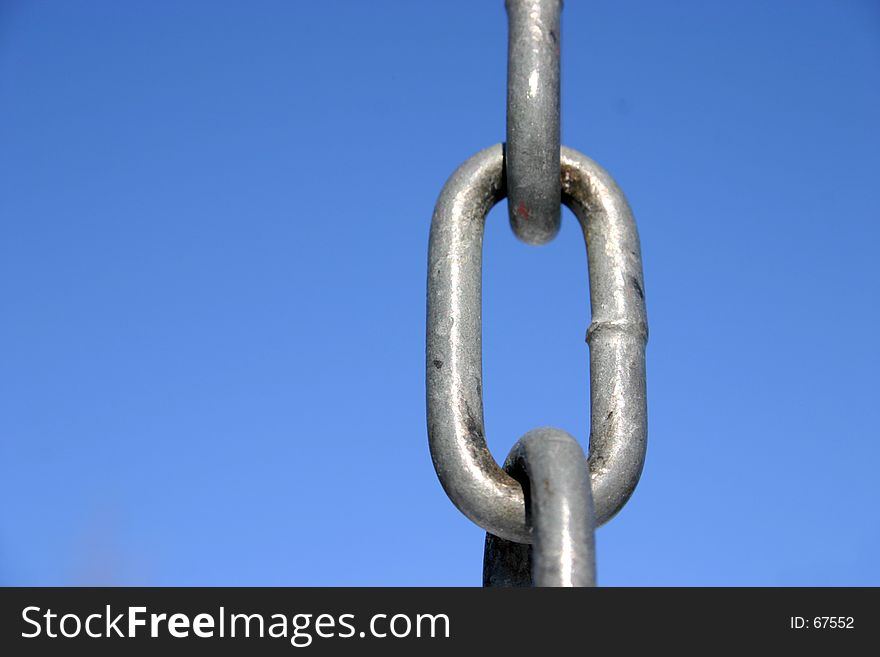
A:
<point x="617" y="336"/>
<point x="533" y="118"/>
<point x="506" y="564"/>
<point x="551" y="467"/>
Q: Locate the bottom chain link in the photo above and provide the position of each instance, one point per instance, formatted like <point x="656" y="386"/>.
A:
<point x="551" y="467"/>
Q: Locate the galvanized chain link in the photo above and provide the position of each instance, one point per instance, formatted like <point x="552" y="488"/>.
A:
<point x="532" y="149"/>
<point x="542" y="509"/>
<point x="560" y="512"/>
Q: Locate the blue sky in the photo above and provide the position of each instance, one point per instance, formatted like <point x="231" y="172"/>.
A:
<point x="212" y="277"/>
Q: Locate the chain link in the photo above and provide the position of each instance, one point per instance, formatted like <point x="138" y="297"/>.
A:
<point x="541" y="510"/>
<point x="532" y="149"/>
<point x="560" y="513"/>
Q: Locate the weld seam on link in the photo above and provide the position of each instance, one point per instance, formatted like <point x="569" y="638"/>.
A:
<point x="636" y="329"/>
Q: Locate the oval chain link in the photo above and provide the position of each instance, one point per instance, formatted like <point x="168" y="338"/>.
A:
<point x="532" y="149"/>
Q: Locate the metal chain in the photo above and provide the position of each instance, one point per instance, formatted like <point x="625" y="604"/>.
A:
<point x="541" y="534"/>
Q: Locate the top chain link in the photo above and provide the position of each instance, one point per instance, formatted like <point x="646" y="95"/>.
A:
<point x="532" y="149"/>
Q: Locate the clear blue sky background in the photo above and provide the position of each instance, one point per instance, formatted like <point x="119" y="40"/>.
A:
<point x="212" y="275"/>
